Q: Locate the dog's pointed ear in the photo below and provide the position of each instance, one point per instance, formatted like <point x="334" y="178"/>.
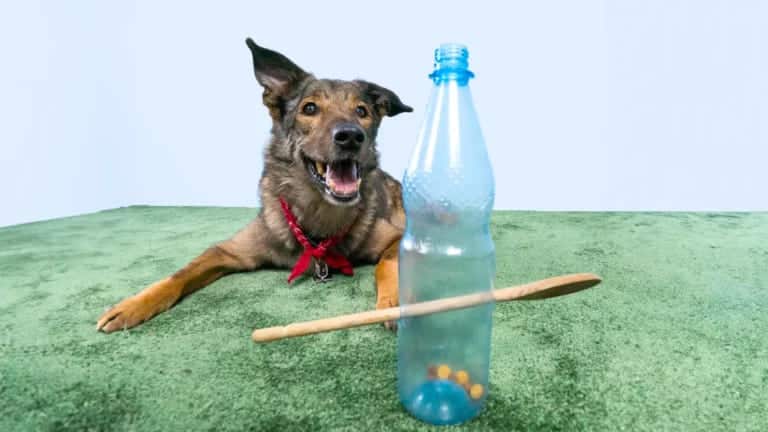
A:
<point x="385" y="100"/>
<point x="275" y="72"/>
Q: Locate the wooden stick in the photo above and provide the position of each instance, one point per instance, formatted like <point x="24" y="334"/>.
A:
<point x="545" y="288"/>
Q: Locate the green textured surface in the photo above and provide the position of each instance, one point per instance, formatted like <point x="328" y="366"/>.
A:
<point x="674" y="339"/>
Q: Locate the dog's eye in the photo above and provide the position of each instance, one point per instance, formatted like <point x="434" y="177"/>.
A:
<point x="309" y="108"/>
<point x="361" y="112"/>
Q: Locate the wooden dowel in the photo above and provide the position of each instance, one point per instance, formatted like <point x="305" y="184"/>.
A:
<point x="545" y="288"/>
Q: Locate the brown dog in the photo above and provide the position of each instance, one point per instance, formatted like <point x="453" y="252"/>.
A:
<point x="321" y="175"/>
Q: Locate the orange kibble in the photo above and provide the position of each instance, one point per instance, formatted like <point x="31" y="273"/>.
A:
<point x="476" y="391"/>
<point x="461" y="377"/>
<point x="443" y="372"/>
<point x="432" y="372"/>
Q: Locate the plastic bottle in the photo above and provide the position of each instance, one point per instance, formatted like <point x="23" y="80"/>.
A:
<point x="446" y="250"/>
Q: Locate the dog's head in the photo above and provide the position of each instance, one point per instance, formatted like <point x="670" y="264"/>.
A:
<point x="325" y="127"/>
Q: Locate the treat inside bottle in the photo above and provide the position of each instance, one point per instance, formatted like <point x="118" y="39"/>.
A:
<point x="446" y="396"/>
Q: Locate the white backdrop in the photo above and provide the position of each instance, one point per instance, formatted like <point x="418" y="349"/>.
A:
<point x="589" y="105"/>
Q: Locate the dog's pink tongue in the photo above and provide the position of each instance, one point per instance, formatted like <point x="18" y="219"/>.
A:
<point x="342" y="178"/>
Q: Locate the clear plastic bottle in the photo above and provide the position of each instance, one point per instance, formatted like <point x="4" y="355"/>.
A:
<point x="446" y="250"/>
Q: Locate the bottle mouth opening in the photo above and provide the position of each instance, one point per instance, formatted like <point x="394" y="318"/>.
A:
<point x="451" y="61"/>
<point x="452" y="55"/>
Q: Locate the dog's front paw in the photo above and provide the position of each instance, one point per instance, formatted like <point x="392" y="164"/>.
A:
<point x="128" y="313"/>
<point x="137" y="309"/>
<point x="386" y="303"/>
<point x="391" y="326"/>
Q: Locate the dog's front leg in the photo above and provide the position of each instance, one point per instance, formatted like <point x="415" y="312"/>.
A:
<point x="386" y="281"/>
<point x="240" y="253"/>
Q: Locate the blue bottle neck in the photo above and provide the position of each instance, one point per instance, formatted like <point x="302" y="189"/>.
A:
<point x="451" y="64"/>
<point x="461" y="76"/>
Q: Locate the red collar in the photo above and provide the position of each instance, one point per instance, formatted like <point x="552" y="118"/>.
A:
<point x="321" y="252"/>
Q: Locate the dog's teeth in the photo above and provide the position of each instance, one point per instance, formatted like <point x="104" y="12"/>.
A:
<point x="320" y="167"/>
<point x="331" y="184"/>
<point x="358" y="182"/>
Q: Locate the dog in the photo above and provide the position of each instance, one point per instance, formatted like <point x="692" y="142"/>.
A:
<point x="325" y="204"/>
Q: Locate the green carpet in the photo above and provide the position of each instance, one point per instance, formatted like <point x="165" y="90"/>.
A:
<point x="674" y="339"/>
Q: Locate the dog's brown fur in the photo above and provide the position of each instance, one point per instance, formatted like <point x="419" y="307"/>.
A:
<point x="375" y="222"/>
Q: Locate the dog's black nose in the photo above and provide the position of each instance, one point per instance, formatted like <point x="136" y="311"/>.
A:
<point x="348" y="136"/>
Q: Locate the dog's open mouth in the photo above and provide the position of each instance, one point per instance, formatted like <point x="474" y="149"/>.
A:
<point x="340" y="179"/>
